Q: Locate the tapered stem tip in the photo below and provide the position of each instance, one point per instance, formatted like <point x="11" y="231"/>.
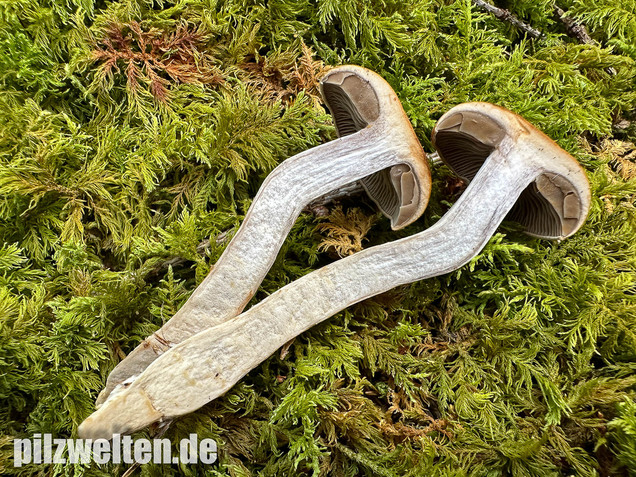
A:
<point x="124" y="413"/>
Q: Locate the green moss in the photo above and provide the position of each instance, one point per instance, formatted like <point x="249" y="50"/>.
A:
<point x="113" y="171"/>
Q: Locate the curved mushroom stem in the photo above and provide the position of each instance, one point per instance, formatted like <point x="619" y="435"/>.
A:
<point x="248" y="257"/>
<point x="208" y="364"/>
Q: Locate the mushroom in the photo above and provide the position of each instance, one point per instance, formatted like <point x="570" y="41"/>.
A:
<point x="508" y="162"/>
<point x="380" y="149"/>
<point x="555" y="204"/>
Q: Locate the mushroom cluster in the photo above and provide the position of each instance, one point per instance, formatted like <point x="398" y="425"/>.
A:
<point x="513" y="170"/>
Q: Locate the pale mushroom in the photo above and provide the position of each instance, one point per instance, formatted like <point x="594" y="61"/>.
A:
<point x="504" y="155"/>
<point x="381" y="149"/>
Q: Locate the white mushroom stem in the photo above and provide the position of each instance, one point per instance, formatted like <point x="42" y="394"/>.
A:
<point x="208" y="364"/>
<point x="248" y="257"/>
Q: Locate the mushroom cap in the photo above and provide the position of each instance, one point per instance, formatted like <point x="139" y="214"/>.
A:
<point x="555" y="204"/>
<point x="359" y="98"/>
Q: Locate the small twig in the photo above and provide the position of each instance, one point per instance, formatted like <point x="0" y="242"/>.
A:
<point x="130" y="470"/>
<point x="118" y="350"/>
<point x="506" y="16"/>
<point x="575" y="29"/>
<point x="319" y="206"/>
<point x="163" y="266"/>
<point x="155" y="434"/>
<point x="284" y="351"/>
<point x="202" y="248"/>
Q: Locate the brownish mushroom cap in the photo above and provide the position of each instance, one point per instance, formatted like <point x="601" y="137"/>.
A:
<point x="359" y="98"/>
<point x="553" y="206"/>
